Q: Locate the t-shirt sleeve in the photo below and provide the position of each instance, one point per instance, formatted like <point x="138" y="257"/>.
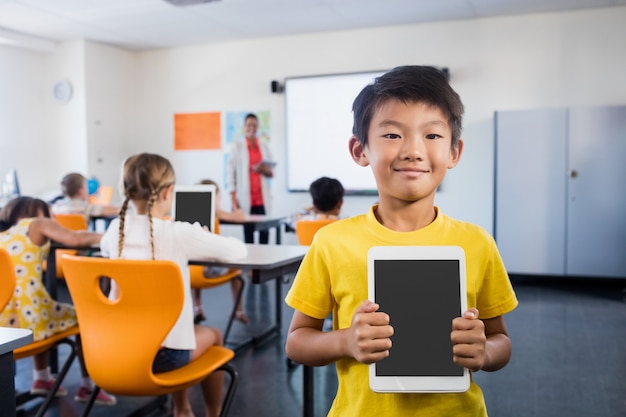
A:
<point x="311" y="289"/>
<point x="496" y="295"/>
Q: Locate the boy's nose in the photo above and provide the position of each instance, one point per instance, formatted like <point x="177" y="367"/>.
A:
<point x="413" y="148"/>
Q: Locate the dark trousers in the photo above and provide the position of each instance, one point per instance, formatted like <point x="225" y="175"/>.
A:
<point x="248" y="231"/>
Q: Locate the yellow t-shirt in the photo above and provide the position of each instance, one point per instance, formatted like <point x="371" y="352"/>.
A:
<point x="333" y="279"/>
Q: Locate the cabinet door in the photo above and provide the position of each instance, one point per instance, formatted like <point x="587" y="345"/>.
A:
<point x="596" y="238"/>
<point x="530" y="190"/>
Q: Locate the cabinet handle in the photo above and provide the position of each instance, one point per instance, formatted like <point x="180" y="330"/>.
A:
<point x="573" y="173"/>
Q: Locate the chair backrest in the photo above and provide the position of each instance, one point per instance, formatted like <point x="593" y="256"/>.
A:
<point x="120" y="338"/>
<point x="306" y="229"/>
<point x="7" y="278"/>
<point x="72" y="221"/>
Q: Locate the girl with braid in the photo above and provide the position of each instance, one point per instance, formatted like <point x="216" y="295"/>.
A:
<point x="145" y="232"/>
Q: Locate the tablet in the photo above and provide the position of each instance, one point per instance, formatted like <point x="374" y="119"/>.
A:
<point x="195" y="203"/>
<point x="422" y="288"/>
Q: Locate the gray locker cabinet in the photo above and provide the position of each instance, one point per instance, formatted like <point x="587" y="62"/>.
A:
<point x="560" y="193"/>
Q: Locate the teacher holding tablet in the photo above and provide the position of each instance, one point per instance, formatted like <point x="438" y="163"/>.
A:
<point x="250" y="165"/>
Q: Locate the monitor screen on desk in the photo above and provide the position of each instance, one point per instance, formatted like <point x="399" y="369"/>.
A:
<point x="195" y="203"/>
<point x="10" y="185"/>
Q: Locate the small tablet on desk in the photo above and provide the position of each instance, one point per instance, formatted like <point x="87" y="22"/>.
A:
<point x="422" y="288"/>
<point x="195" y="203"/>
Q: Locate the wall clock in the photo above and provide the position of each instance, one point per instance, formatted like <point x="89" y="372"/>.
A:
<point x="62" y="91"/>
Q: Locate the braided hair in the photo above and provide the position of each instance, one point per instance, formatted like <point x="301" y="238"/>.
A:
<point x="144" y="176"/>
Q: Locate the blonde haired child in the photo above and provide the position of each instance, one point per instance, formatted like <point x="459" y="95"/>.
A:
<point x="146" y="233"/>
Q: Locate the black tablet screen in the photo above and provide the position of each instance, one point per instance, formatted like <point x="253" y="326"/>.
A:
<point x="421" y="298"/>
<point x="194" y="206"/>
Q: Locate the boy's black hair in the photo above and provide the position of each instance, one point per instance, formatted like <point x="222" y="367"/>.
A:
<point x="21" y="208"/>
<point x="251" y="116"/>
<point x="326" y="193"/>
<point x="409" y="84"/>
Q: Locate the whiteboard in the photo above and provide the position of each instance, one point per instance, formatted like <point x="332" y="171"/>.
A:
<point x="319" y="126"/>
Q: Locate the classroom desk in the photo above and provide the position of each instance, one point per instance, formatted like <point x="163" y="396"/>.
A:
<point x="106" y="219"/>
<point x="10" y="339"/>
<point x="266" y="263"/>
<point x="256" y="222"/>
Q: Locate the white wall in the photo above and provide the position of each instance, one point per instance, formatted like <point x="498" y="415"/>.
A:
<point x="542" y="60"/>
<point x="111" y="110"/>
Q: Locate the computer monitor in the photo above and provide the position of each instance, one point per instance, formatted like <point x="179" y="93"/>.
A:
<point x="10" y="185"/>
<point x="195" y="203"/>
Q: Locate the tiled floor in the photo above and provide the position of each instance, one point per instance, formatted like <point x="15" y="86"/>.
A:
<point x="569" y="359"/>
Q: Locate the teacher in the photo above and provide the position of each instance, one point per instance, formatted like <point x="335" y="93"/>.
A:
<point x="249" y="169"/>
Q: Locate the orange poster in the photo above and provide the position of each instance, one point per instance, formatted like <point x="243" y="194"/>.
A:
<point x="194" y="131"/>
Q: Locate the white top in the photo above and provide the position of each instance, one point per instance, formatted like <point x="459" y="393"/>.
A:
<point x="238" y="177"/>
<point x="178" y="242"/>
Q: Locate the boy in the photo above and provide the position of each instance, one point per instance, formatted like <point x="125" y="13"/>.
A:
<point x="327" y="194"/>
<point x="76" y="199"/>
<point x="407" y="127"/>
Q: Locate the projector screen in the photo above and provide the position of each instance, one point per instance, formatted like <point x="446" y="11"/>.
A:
<point x="319" y="126"/>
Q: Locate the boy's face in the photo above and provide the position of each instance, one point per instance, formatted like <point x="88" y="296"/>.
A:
<point x="409" y="150"/>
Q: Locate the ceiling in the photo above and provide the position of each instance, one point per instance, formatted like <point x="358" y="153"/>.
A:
<point x="149" y="24"/>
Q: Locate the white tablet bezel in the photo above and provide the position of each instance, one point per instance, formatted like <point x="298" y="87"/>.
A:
<point x="198" y="188"/>
<point x="428" y="384"/>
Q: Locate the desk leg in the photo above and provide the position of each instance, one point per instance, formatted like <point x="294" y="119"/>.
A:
<point x="51" y="286"/>
<point x="279" y="306"/>
<point x="307" y="391"/>
<point x="278" y="234"/>
<point x="7" y="385"/>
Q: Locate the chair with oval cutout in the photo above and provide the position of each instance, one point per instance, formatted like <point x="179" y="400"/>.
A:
<point x="120" y="338"/>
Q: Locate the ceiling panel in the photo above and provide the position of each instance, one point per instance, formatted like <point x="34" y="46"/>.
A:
<point x="144" y="24"/>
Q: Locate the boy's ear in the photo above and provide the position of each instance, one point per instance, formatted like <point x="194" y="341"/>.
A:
<point x="357" y="151"/>
<point x="455" y="154"/>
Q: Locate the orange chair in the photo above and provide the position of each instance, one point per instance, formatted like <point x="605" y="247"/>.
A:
<point x="306" y="229"/>
<point x="199" y="281"/>
<point x="7" y="287"/>
<point x="121" y="338"/>
<point x="72" y="221"/>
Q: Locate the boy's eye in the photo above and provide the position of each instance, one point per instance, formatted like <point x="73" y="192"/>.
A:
<point x="391" y="136"/>
<point x="433" y="136"/>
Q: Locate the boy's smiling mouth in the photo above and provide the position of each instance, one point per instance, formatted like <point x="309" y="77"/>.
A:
<point x="411" y="172"/>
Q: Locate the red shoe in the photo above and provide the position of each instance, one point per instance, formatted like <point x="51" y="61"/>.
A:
<point x="41" y="387"/>
<point x="103" y="398"/>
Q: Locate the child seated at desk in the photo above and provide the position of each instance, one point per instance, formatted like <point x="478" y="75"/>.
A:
<point x="25" y="232"/>
<point x="147" y="233"/>
<point x="76" y="199"/>
<point x="215" y="271"/>
<point x="327" y="194"/>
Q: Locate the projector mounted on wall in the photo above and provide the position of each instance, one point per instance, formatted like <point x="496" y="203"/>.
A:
<point x="189" y="2"/>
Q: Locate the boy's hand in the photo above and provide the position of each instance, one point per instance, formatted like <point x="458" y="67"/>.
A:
<point x="469" y="340"/>
<point x="368" y="338"/>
